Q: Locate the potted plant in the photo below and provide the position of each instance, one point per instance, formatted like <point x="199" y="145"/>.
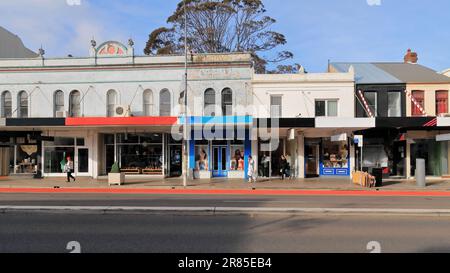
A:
<point x="115" y="177"/>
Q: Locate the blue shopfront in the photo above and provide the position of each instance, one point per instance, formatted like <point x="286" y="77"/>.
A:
<point x="219" y="147"/>
<point x="327" y="157"/>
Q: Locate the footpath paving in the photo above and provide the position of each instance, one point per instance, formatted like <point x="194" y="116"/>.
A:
<point x="140" y="185"/>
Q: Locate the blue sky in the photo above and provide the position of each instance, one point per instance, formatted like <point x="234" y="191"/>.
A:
<point x="317" y="30"/>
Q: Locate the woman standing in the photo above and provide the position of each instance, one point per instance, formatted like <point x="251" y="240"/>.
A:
<point x="251" y="170"/>
<point x="69" y="169"/>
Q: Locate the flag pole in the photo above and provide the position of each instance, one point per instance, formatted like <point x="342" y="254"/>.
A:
<point x="185" y="133"/>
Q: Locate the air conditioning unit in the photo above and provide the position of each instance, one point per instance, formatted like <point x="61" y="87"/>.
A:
<point x="62" y="114"/>
<point x="122" y="111"/>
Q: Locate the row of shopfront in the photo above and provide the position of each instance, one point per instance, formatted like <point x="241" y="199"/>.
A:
<point x="156" y="151"/>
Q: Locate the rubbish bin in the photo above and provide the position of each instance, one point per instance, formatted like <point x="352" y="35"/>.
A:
<point x="378" y="174"/>
<point x="420" y="173"/>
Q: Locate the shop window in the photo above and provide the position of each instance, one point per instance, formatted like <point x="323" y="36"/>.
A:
<point x="394" y="104"/>
<point x="56" y="153"/>
<point x="372" y="100"/>
<point x="58" y="102"/>
<point x="441" y="102"/>
<point x="275" y="106"/>
<point x="227" y="102"/>
<point x="6" y="104"/>
<point x="419" y="96"/>
<point x="25" y="158"/>
<point x="201" y="156"/>
<point x="209" y="103"/>
<point x="326" y="108"/>
<point x="140" y="153"/>
<point x="22" y="98"/>
<point x="164" y="103"/>
<point x="335" y="154"/>
<point x="148" y="102"/>
<point x="237" y="161"/>
<point x="111" y="98"/>
<point x="75" y="104"/>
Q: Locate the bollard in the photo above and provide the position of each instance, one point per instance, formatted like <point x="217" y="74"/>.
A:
<point x="420" y="173"/>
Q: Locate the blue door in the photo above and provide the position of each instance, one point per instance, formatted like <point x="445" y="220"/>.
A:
<point x="219" y="160"/>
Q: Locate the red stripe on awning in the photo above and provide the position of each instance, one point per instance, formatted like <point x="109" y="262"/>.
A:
<point x="125" y="121"/>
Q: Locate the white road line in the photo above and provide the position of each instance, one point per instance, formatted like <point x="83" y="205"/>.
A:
<point x="5" y="209"/>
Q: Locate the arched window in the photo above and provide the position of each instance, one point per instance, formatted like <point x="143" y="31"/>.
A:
<point x="58" y="102"/>
<point x="22" y="98"/>
<point x="165" y="107"/>
<point x="111" y="101"/>
<point x="148" y="102"/>
<point x="210" y="103"/>
<point x="6" y="104"/>
<point x="74" y="104"/>
<point x="227" y="102"/>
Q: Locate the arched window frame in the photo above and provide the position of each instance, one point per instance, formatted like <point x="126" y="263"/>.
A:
<point x="58" y="102"/>
<point x="22" y="101"/>
<point x="227" y="102"/>
<point x="75" y="106"/>
<point x="111" y="102"/>
<point x="6" y="104"/>
<point x="165" y="103"/>
<point x="147" y="99"/>
<point x="209" y="102"/>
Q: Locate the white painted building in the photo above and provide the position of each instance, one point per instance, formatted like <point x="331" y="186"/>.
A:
<point x="110" y="106"/>
<point x="316" y="116"/>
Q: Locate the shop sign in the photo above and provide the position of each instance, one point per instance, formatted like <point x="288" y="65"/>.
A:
<point x="340" y="137"/>
<point x="359" y="140"/>
<point x="445" y="137"/>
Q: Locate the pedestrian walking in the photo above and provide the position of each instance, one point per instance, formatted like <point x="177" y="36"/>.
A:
<point x="283" y="166"/>
<point x="68" y="168"/>
<point x="251" y="170"/>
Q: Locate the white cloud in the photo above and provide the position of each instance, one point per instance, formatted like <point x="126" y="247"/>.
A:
<point x="61" y="27"/>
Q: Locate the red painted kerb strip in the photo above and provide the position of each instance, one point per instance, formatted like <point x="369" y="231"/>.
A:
<point x="229" y="192"/>
<point x="125" y="121"/>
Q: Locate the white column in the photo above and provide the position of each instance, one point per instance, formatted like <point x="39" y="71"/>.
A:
<point x="255" y="152"/>
<point x="300" y="156"/>
<point x="408" y="159"/>
<point x="352" y="159"/>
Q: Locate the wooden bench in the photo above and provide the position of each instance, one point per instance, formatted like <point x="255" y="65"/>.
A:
<point x="130" y="171"/>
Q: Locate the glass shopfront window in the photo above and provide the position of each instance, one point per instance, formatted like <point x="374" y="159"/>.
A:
<point x="202" y="156"/>
<point x="140" y="153"/>
<point x="237" y="162"/>
<point x="56" y="153"/>
<point x="334" y="154"/>
<point x="26" y="159"/>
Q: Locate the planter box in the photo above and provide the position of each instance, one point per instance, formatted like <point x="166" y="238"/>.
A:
<point x="202" y="174"/>
<point x="116" y="179"/>
<point x="236" y="174"/>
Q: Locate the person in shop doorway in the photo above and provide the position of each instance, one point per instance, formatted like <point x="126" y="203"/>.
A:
<point x="251" y="170"/>
<point x="69" y="169"/>
<point x="283" y="166"/>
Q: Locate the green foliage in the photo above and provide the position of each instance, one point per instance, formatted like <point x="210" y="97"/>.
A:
<point x="220" y="26"/>
<point x="115" y="168"/>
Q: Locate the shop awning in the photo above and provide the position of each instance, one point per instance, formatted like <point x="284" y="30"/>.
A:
<point x="122" y="121"/>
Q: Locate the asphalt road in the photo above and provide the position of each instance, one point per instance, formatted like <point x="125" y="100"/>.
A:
<point x="50" y="233"/>
<point x="62" y="199"/>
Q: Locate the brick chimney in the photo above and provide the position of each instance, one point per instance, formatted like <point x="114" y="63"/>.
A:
<point x="411" y="57"/>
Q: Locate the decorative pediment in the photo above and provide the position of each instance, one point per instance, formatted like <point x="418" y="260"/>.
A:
<point x="112" y="48"/>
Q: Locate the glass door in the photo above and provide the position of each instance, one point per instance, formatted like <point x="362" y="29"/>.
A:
<point x="219" y="159"/>
<point x="312" y="160"/>
<point x="82" y="161"/>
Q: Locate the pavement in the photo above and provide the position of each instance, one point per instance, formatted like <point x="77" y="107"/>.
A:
<point x="57" y="233"/>
<point x="18" y="182"/>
